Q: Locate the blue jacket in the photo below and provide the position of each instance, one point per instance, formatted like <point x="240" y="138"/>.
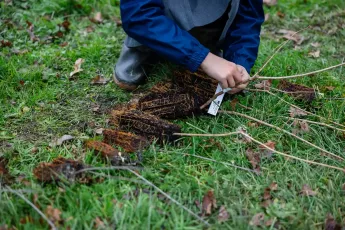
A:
<point x="146" y="22"/>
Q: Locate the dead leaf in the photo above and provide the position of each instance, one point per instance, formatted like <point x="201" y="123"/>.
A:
<point x="307" y="191"/>
<point x="6" y="43"/>
<point x="280" y="14"/>
<point x="19" y="52"/>
<point x="315" y="54"/>
<point x="118" y="21"/>
<point x="257" y="219"/>
<point x="233" y="104"/>
<point x="54" y="215"/>
<point x="209" y="203"/>
<point x="254" y="159"/>
<point x="315" y="44"/>
<point x="60" y="141"/>
<point x="64" y="44"/>
<point x="99" y="223"/>
<point x="270" y="2"/>
<point x="331" y="224"/>
<point x="66" y="24"/>
<point x="99" y="80"/>
<point x="97" y="18"/>
<point x="273" y="186"/>
<point x="30" y="30"/>
<point x="330" y="88"/>
<point x="77" y="67"/>
<point x="223" y="214"/>
<point x="5" y="177"/>
<point x="295" y="112"/>
<point x="99" y="131"/>
<point x="267" y="152"/>
<point x="292" y="35"/>
<point x="267" y="17"/>
<point x="265" y="84"/>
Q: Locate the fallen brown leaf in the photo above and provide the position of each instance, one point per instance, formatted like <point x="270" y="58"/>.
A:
<point x="99" y="224"/>
<point x="61" y="140"/>
<point x="307" y="191"/>
<point x="233" y="104"/>
<point x="267" y="17"/>
<point x="267" y="152"/>
<point x="209" y="203"/>
<point x="280" y="14"/>
<point x="99" y="80"/>
<point x="5" y="177"/>
<point x="330" y="88"/>
<point x="292" y="35"/>
<point x="331" y="224"/>
<point x="30" y="30"/>
<point x="223" y="214"/>
<point x="54" y="215"/>
<point x="270" y="2"/>
<point x="257" y="219"/>
<point x="315" y="44"/>
<point x="77" y="67"/>
<point x="254" y="159"/>
<point x="315" y="54"/>
<point x="265" y="84"/>
<point x="97" y="18"/>
<point x="6" y="43"/>
<point x="295" y="112"/>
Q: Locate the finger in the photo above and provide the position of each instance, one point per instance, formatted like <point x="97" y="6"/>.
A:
<point x="224" y="84"/>
<point x="237" y="76"/>
<point x="235" y="90"/>
<point x="242" y="86"/>
<point x="231" y="82"/>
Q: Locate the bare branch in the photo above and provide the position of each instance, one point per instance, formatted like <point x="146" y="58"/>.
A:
<point x="282" y="130"/>
<point x="292" y="157"/>
<point x="298" y="75"/>
<point x="53" y="227"/>
<point x="170" y="198"/>
<point x="205" y="135"/>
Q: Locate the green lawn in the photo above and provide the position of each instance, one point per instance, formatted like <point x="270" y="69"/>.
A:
<point x="39" y="103"/>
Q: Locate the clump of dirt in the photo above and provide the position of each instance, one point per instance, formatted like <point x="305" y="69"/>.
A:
<point x="296" y="91"/>
<point x="170" y="105"/>
<point x="145" y="124"/>
<point x="108" y="152"/>
<point x="128" y="141"/>
<point x="60" y="169"/>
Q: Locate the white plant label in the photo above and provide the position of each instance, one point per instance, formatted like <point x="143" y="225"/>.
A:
<point x="214" y="107"/>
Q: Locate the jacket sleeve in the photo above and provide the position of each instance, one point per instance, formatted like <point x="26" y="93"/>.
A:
<point x="145" y="21"/>
<point x="243" y="38"/>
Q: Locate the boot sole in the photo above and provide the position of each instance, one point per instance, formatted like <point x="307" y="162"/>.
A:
<point x="124" y="86"/>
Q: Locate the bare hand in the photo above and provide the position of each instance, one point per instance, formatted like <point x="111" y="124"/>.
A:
<point x="245" y="78"/>
<point x="226" y="73"/>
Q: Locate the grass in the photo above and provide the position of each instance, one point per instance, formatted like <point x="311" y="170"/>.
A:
<point x="39" y="103"/>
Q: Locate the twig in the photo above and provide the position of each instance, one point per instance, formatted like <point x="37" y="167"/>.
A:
<point x="295" y="106"/>
<point x="170" y="198"/>
<point x="314" y="122"/>
<point x="108" y="168"/>
<point x="224" y="163"/>
<point x="292" y="157"/>
<point x="53" y="227"/>
<point x="297" y="75"/>
<point x="211" y="99"/>
<point x="281" y="130"/>
<point x="276" y="51"/>
<point x="205" y="135"/>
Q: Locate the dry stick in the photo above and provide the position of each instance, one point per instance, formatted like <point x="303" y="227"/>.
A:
<point x="314" y="122"/>
<point x="108" y="168"/>
<point x="281" y="130"/>
<point x="295" y="106"/>
<point x="205" y="135"/>
<point x="224" y="163"/>
<point x="33" y="206"/>
<point x="293" y="157"/>
<point x="277" y="50"/>
<point x="170" y="198"/>
<point x="274" y="78"/>
<point x="273" y="150"/>
<point x="297" y="75"/>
